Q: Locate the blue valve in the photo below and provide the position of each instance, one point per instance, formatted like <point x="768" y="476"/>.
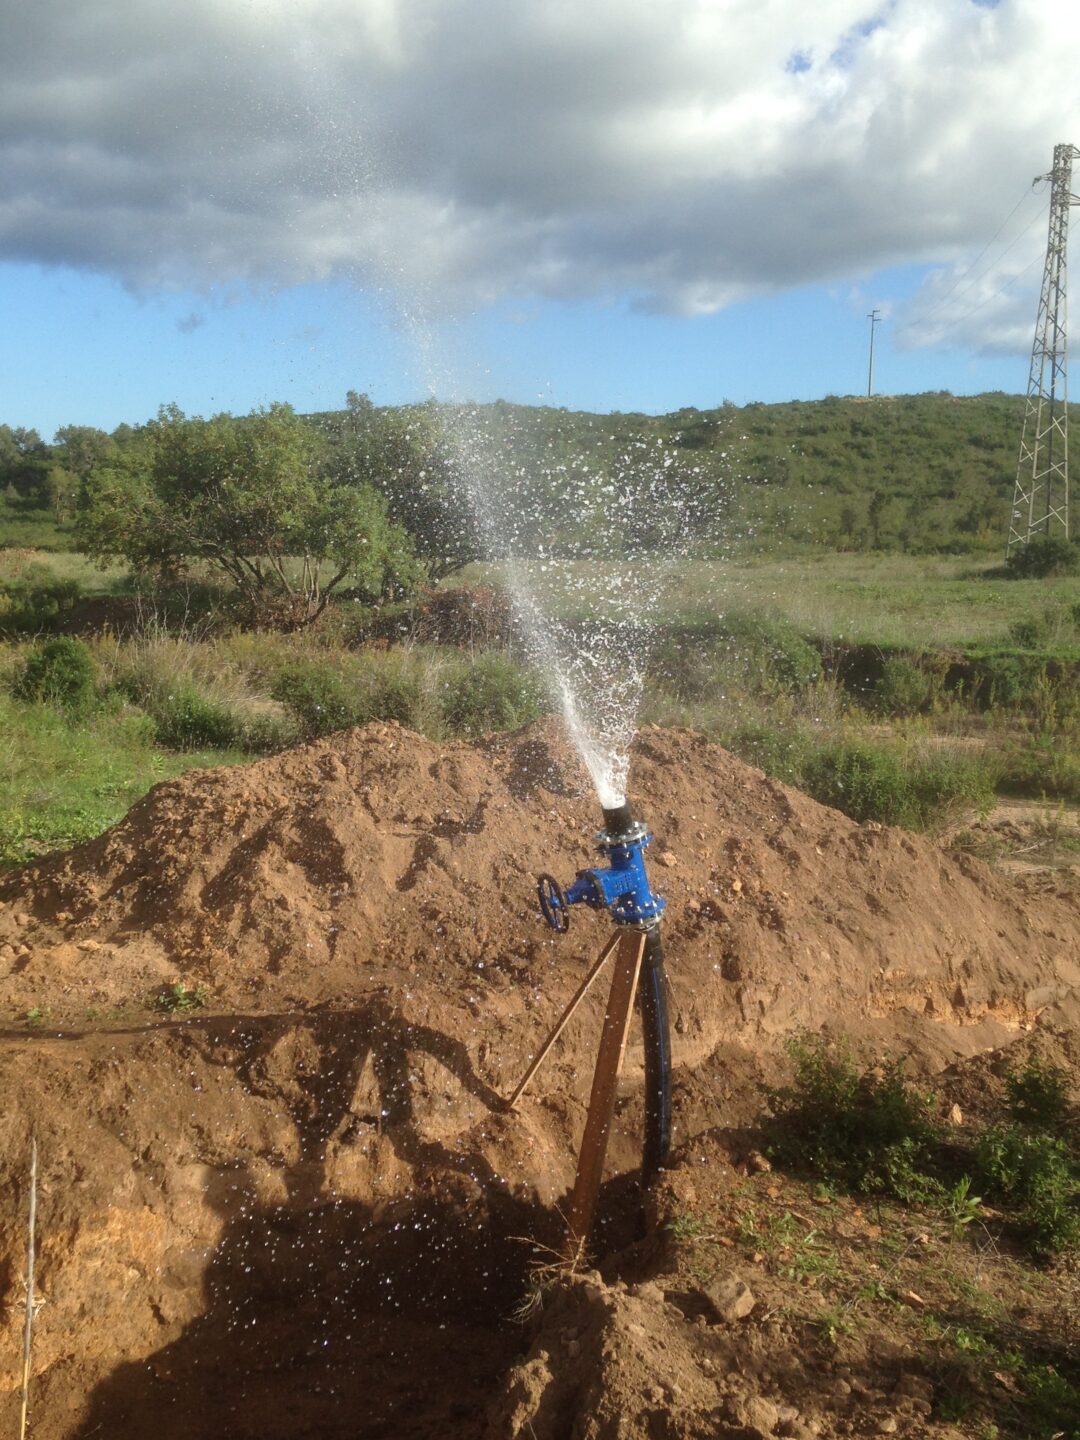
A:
<point x="621" y="886"/>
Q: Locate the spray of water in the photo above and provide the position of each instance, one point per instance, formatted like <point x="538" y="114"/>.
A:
<point x="587" y="548"/>
<point x="587" y="534"/>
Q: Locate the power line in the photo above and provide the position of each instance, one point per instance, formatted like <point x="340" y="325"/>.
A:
<point x="921" y="320"/>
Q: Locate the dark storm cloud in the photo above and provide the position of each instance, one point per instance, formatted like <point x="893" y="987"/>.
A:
<point x="474" y="149"/>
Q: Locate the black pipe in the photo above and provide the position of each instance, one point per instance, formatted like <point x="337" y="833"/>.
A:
<point x="656" y="1028"/>
<point x="618" y="820"/>
<point x="655" y="1025"/>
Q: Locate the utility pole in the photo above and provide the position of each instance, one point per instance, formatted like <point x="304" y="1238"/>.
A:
<point x="1041" y="494"/>
<point x="875" y="319"/>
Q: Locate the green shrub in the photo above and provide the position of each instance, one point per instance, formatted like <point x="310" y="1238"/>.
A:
<point x="763" y="654"/>
<point x="1033" y="1174"/>
<point x="263" y="729"/>
<point x="1031" y="633"/>
<point x="865" y="1131"/>
<point x="58" y="672"/>
<point x="1038" y="1094"/>
<point x="1044" y="766"/>
<point x="490" y="693"/>
<point x="189" y="720"/>
<point x="1043" y="556"/>
<point x="780" y="753"/>
<point x="1008" y="680"/>
<point x="902" y="688"/>
<point x="36" y="600"/>
<point x="874" y="782"/>
<point x="321" y="696"/>
<point x="394" y="693"/>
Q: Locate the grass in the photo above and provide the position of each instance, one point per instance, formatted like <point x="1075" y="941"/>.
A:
<point x="63" y="781"/>
<point x="895" y="601"/>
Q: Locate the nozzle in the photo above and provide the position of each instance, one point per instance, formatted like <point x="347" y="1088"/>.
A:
<point x="619" y="820"/>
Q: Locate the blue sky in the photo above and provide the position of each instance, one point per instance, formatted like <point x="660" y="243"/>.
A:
<point x="627" y="207"/>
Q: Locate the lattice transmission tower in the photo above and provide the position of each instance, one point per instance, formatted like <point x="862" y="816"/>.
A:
<point x="1041" y="497"/>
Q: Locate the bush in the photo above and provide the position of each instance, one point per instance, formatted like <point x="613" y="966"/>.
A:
<point x="189" y="720"/>
<point x="902" y="688"/>
<point x="36" y="601"/>
<point x="394" y="693"/>
<point x="491" y="693"/>
<point x="58" y="672"/>
<point x="1043" y="556"/>
<point x="320" y="696"/>
<point x="1033" y="1173"/>
<point x="865" y="1132"/>
<point x="1038" y="1095"/>
<point x="870" y="782"/>
<point x="780" y="753"/>
<point x="762" y="653"/>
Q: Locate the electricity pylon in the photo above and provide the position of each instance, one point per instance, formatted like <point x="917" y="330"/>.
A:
<point x="1041" y="497"/>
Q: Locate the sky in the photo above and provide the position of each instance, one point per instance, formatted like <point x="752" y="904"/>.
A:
<point x="612" y="205"/>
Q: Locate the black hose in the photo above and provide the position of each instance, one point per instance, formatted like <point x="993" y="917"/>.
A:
<point x="652" y="997"/>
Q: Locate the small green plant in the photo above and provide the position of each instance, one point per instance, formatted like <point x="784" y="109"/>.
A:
<point x="1033" y="1173"/>
<point x="491" y="693"/>
<point x="58" y="672"/>
<point x="960" y="1206"/>
<point x="865" y="1131"/>
<point x="835" y="1322"/>
<point x="180" y="997"/>
<point x="37" y="1013"/>
<point x="189" y="720"/>
<point x="1038" y="1094"/>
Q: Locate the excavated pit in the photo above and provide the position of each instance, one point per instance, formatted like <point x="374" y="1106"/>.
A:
<point x="299" y="1210"/>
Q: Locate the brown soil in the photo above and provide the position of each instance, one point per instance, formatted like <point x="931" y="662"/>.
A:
<point x="293" y="1212"/>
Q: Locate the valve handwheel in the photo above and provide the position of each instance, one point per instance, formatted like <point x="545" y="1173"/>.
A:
<point x="553" y="903"/>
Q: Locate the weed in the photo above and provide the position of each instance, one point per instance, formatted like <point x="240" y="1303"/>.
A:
<point x="1038" y="1094"/>
<point x="180" y="997"/>
<point x="836" y="1321"/>
<point x="866" y="1132"/>
<point x="689" y="1228"/>
<point x="1034" y="1174"/>
<point x="960" y="1206"/>
<point x="58" y="672"/>
<point x="37" y="1013"/>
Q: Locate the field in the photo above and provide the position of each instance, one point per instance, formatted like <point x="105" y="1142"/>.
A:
<point x="263" y="1017"/>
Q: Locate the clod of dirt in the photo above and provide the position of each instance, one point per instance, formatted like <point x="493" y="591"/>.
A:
<point x="729" y="1296"/>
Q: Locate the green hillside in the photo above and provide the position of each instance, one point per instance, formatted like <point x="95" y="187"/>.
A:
<point x="923" y="474"/>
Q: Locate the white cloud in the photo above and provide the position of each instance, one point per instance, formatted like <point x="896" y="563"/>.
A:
<point x="685" y="154"/>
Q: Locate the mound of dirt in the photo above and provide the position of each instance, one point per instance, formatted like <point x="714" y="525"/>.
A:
<point x="323" y="1145"/>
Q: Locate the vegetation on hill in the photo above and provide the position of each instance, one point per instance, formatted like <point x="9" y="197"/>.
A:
<point x="924" y="474"/>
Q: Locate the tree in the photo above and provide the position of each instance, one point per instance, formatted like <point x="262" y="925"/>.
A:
<point x="403" y="455"/>
<point x="246" y="496"/>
